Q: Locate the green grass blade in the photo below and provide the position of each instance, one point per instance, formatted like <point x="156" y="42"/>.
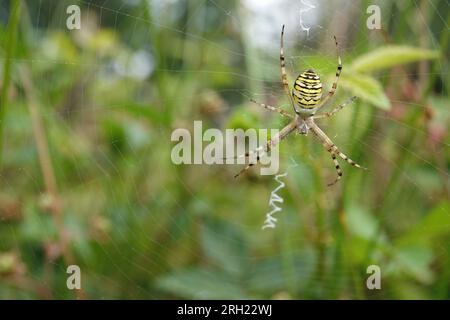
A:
<point x="11" y="36"/>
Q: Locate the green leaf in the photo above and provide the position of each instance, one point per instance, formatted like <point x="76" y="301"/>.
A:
<point x="360" y="222"/>
<point x="268" y="275"/>
<point x="416" y="261"/>
<point x="142" y="111"/>
<point x="366" y="88"/>
<point x="201" y="284"/>
<point x="434" y="224"/>
<point x="244" y="119"/>
<point x="390" y="56"/>
<point x="224" y="244"/>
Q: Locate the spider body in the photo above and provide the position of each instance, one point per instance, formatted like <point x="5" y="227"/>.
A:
<point x="302" y="126"/>
<point x="306" y="99"/>
<point x="307" y="91"/>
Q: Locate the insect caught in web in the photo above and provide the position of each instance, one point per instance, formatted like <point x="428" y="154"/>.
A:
<point x="306" y="99"/>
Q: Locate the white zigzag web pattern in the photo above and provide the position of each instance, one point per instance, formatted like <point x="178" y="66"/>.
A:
<point x="302" y="11"/>
<point x="274" y="197"/>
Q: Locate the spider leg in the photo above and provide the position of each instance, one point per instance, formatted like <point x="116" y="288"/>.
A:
<point x="280" y="111"/>
<point x="335" y="110"/>
<point x="329" y="145"/>
<point x="247" y="154"/>
<point x="338" y="74"/>
<point x="283" y="72"/>
<point x="338" y="169"/>
<point x="333" y="149"/>
<point x="247" y="167"/>
<point x="349" y="161"/>
<point x="269" y="145"/>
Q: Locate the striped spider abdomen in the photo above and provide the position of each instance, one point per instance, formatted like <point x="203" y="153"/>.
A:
<point x="307" y="91"/>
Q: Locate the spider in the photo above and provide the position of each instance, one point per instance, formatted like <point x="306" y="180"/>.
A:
<point x="306" y="99"/>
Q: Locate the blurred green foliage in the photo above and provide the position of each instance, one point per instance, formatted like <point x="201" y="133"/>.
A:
<point x="109" y="96"/>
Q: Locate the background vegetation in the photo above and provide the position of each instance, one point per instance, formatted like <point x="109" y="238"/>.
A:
<point x="85" y="171"/>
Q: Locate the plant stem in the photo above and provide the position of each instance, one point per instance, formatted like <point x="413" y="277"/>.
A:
<point x="54" y="201"/>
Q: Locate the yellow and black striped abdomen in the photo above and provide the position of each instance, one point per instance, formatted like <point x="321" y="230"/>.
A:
<point x="307" y="90"/>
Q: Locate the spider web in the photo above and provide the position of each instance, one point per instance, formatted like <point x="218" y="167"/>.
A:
<point x="174" y="240"/>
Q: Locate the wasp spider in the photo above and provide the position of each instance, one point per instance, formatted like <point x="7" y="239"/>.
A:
<point x="306" y="99"/>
